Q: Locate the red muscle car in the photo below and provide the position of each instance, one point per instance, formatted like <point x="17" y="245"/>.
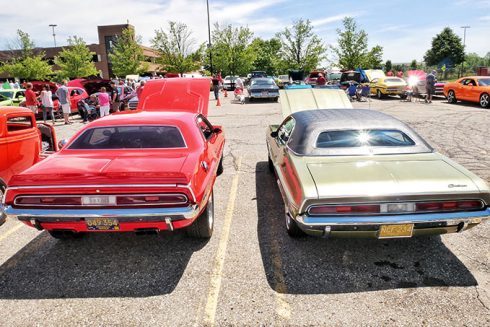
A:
<point x="23" y="143"/>
<point x="143" y="171"/>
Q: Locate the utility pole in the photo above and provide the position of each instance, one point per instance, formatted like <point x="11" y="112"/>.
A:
<point x="54" y="35"/>
<point x="209" y="40"/>
<point x="464" y="45"/>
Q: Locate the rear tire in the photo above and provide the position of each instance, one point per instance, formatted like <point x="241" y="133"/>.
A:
<point x="484" y="100"/>
<point x="220" y="169"/>
<point x="292" y="227"/>
<point x="451" y="97"/>
<point x="379" y="95"/>
<point x="64" y="235"/>
<point x="204" y="224"/>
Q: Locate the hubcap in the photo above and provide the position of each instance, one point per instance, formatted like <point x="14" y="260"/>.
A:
<point x="484" y="100"/>
<point x="451" y="96"/>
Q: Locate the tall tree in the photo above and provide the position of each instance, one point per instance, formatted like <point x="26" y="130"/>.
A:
<point x="413" y="65"/>
<point x="447" y="49"/>
<point x="267" y="55"/>
<point x="25" y="63"/>
<point x="76" y="60"/>
<point x="127" y="56"/>
<point x="176" y="48"/>
<point x="388" y="66"/>
<point x="232" y="53"/>
<point x="352" y="46"/>
<point x="301" y="48"/>
<point x="374" y="58"/>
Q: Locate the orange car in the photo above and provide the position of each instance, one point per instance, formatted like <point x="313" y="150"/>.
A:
<point x="471" y="88"/>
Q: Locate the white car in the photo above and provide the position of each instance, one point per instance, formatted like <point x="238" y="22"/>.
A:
<point x="229" y="83"/>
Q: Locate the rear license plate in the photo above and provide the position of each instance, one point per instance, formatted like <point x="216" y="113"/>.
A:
<point x="393" y="231"/>
<point x="102" y="223"/>
<point x="97" y="200"/>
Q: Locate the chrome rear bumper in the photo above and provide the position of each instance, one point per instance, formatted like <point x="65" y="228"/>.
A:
<point x="368" y="226"/>
<point x="133" y="214"/>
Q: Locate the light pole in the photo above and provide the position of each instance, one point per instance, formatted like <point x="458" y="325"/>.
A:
<point x="209" y="40"/>
<point x="54" y="35"/>
<point x="464" y="45"/>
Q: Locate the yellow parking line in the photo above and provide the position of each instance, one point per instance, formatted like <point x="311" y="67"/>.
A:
<point x="10" y="231"/>
<point x="215" y="283"/>
<point x="283" y="309"/>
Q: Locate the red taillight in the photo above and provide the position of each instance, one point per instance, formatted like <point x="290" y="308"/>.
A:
<point x="48" y="200"/>
<point x="161" y="199"/>
<point x="342" y="210"/>
<point x="449" y="206"/>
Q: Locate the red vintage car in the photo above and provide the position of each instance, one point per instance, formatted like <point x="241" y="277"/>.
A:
<point x="23" y="143"/>
<point x="143" y="171"/>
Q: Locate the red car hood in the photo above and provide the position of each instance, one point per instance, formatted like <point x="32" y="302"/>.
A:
<point x="125" y="168"/>
<point x="176" y="94"/>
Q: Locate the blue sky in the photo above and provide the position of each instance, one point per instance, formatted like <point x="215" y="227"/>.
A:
<point x="403" y="28"/>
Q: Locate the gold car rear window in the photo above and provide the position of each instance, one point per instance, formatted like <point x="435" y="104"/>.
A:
<point x="360" y="138"/>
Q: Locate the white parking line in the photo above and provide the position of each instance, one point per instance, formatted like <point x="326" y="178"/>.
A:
<point x="10" y="231"/>
<point x="215" y="283"/>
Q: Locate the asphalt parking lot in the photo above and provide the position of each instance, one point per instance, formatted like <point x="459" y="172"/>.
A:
<point x="250" y="272"/>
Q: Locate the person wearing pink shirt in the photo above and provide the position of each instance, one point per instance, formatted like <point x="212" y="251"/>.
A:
<point x="104" y="102"/>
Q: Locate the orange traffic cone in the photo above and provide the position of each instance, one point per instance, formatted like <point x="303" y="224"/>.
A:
<point x="218" y="104"/>
<point x="226" y="93"/>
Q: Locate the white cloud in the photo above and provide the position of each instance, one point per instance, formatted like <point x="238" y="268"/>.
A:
<point x="333" y="19"/>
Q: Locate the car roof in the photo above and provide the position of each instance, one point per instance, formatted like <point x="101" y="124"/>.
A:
<point x="310" y="123"/>
<point x="10" y="110"/>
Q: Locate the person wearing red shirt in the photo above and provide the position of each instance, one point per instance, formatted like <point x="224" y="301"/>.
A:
<point x="31" y="98"/>
<point x="321" y="80"/>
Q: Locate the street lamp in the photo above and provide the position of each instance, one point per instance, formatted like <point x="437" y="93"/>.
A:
<point x="464" y="45"/>
<point x="54" y="35"/>
<point x="209" y="40"/>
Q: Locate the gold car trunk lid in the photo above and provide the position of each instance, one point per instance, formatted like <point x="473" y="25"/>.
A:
<point x="372" y="178"/>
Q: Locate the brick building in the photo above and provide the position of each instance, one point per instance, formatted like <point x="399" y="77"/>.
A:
<point x="107" y="35"/>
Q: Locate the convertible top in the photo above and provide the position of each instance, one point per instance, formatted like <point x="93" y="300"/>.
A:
<point x="309" y="124"/>
<point x="295" y="100"/>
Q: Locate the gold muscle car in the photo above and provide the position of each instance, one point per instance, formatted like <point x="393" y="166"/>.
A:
<point x="362" y="173"/>
<point x="384" y="86"/>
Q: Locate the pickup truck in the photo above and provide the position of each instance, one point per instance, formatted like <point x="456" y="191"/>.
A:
<point x="23" y="142"/>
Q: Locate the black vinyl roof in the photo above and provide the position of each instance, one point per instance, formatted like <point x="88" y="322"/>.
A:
<point x="310" y="123"/>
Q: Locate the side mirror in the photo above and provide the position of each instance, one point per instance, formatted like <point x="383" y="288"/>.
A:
<point x="217" y="130"/>
<point x="274" y="134"/>
<point x="62" y="143"/>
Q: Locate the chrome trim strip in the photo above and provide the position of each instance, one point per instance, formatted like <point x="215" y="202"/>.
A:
<point x="447" y="217"/>
<point x="90" y="186"/>
<point x="98" y="205"/>
<point x="189" y="212"/>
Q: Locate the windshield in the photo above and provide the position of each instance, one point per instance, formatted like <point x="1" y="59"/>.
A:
<point x="484" y="82"/>
<point x="359" y="138"/>
<point x="262" y="82"/>
<point x="7" y="94"/>
<point x="130" y="137"/>
<point x="333" y="76"/>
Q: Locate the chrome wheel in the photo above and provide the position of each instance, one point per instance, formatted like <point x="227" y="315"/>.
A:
<point x="484" y="100"/>
<point x="379" y="95"/>
<point x="451" y="97"/>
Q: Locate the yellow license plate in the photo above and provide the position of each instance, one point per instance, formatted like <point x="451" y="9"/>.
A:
<point x="102" y="223"/>
<point x="393" y="231"/>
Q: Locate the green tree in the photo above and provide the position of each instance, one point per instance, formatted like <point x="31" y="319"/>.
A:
<point x="374" y="58"/>
<point x="301" y="48"/>
<point x="75" y="61"/>
<point x="232" y="50"/>
<point x="447" y="48"/>
<point x="388" y="66"/>
<point x="175" y="48"/>
<point x="413" y="65"/>
<point x="25" y="63"/>
<point x="127" y="56"/>
<point x="352" y="45"/>
<point x="267" y="55"/>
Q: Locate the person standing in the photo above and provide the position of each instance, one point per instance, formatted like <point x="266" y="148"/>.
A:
<point x="320" y="81"/>
<point x="104" y="102"/>
<point x="31" y="98"/>
<point x="6" y="85"/>
<point x="430" y="85"/>
<point x="140" y="89"/>
<point x="115" y="99"/>
<point x="215" y="82"/>
<point x="63" y="95"/>
<point x="47" y="102"/>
